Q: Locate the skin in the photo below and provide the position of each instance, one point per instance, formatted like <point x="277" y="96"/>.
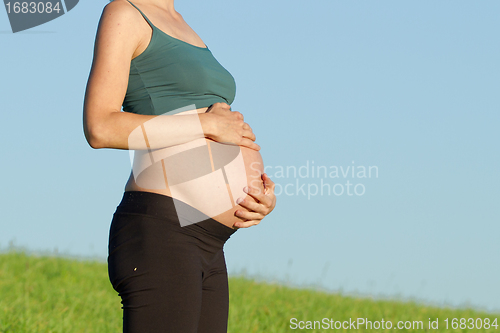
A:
<point x="123" y="34"/>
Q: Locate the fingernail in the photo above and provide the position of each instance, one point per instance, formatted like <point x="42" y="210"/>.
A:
<point x="245" y="189"/>
<point x="239" y="200"/>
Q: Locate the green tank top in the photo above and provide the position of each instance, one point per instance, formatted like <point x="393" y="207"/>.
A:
<point x="171" y="74"/>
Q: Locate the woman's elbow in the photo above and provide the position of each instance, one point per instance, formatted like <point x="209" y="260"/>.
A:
<point x="94" y="137"/>
<point x="94" y="142"/>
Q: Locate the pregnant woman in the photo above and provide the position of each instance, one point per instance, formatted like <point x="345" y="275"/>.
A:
<point x="197" y="174"/>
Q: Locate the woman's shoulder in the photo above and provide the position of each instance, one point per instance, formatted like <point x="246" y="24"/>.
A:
<point x="120" y="31"/>
<point x="120" y="11"/>
<point x="119" y="19"/>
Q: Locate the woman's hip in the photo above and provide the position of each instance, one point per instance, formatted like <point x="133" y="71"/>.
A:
<point x="145" y="233"/>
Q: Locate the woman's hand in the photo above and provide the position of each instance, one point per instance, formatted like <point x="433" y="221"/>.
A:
<point x="263" y="205"/>
<point x="226" y="126"/>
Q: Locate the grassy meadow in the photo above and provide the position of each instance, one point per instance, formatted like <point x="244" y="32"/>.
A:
<point x="63" y="295"/>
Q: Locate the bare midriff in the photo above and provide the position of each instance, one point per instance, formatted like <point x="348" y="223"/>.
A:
<point x="249" y="175"/>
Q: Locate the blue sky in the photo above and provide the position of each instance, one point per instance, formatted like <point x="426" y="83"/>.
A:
<point x="410" y="88"/>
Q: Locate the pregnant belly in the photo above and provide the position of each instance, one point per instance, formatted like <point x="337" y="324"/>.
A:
<point x="206" y="175"/>
<point x="245" y="170"/>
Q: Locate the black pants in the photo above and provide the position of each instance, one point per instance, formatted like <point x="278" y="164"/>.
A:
<point x="170" y="278"/>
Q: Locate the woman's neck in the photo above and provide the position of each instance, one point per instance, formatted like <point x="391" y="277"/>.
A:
<point x="167" y="5"/>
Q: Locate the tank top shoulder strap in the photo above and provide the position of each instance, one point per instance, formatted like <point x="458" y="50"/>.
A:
<point x="145" y="17"/>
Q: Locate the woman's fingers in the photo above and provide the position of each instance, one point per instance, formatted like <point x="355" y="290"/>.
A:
<point x="260" y="197"/>
<point x="248" y="216"/>
<point x="238" y="115"/>
<point x="269" y="189"/>
<point x="246" y="224"/>
<point x="249" y="143"/>
<point x="265" y="203"/>
<point x="252" y="207"/>
<point x="268" y="183"/>
<point x="232" y="127"/>
<point x="249" y="134"/>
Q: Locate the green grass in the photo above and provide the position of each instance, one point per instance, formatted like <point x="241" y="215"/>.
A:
<point x="54" y="294"/>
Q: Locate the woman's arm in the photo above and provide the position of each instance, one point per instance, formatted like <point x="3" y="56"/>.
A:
<point x="121" y="32"/>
